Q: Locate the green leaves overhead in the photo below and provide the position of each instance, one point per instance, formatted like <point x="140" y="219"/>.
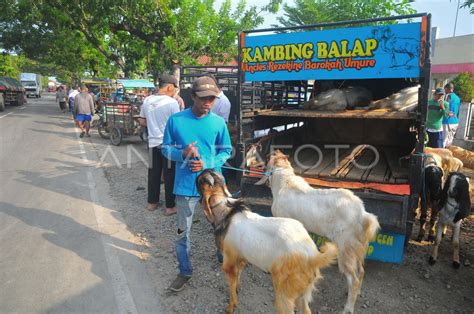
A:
<point x="146" y="37"/>
<point x="305" y="12"/>
<point x="135" y="37"/>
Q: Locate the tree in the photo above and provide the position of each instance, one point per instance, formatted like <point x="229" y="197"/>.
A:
<point x="306" y="12"/>
<point x="464" y="86"/>
<point x="469" y="4"/>
<point x="136" y="36"/>
<point x="8" y="66"/>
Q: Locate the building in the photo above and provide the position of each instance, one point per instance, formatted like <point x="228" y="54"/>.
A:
<point x="452" y="56"/>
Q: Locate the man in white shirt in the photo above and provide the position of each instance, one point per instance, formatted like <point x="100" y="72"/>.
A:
<point x="154" y="114"/>
<point x="222" y="106"/>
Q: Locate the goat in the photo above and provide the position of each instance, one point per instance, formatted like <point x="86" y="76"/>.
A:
<point x="336" y="214"/>
<point x="444" y="158"/>
<point x="455" y="206"/>
<point x="430" y="198"/>
<point x="340" y="99"/>
<point x="466" y="157"/>
<point x="281" y="246"/>
<point x="404" y="100"/>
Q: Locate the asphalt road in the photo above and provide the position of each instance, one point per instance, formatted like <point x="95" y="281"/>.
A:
<point x="63" y="246"/>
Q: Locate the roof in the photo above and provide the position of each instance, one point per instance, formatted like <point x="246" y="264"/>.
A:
<point x="136" y="84"/>
<point x="206" y="60"/>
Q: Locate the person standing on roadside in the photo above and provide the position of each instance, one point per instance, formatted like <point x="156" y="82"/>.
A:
<point x="71" y="96"/>
<point x="437" y="110"/>
<point x="154" y="114"/>
<point x="180" y="101"/>
<point x="61" y="97"/>
<point x="83" y="110"/>
<point x="451" y="122"/>
<point x="222" y="105"/>
<point x="196" y="139"/>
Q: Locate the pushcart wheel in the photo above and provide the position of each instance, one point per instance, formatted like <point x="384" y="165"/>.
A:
<point x="115" y="136"/>
<point x="102" y="129"/>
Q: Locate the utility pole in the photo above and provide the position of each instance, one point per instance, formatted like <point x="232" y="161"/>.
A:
<point x="456" y="20"/>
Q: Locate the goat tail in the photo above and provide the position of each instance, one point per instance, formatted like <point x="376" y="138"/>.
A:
<point x="327" y="256"/>
<point x="371" y="227"/>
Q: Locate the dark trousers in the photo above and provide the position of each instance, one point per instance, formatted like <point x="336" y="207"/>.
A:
<point x="160" y="165"/>
<point x="62" y="105"/>
<point x="435" y="139"/>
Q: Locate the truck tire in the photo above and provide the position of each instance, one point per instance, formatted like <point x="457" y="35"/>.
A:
<point x="20" y="101"/>
<point x="2" y="102"/>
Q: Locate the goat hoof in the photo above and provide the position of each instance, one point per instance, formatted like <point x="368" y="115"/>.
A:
<point x="432" y="261"/>
<point x="456" y="265"/>
<point x="230" y="309"/>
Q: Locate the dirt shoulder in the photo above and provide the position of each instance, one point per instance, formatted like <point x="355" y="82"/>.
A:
<point x="411" y="287"/>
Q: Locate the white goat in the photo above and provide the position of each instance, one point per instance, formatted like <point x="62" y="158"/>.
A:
<point x="336" y="214"/>
<point x="280" y="246"/>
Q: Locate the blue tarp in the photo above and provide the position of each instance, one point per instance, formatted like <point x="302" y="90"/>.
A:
<point x="136" y="84"/>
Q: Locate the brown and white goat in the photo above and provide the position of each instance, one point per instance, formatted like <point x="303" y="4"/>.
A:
<point x="280" y="246"/>
<point x="336" y="214"/>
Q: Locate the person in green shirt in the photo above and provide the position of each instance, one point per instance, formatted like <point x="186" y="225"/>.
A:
<point x="437" y="110"/>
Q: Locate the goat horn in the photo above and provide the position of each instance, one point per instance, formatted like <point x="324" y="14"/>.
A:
<point x="262" y="180"/>
<point x="209" y="180"/>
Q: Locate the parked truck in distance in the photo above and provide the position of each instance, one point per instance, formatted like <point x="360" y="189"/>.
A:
<point x="32" y="84"/>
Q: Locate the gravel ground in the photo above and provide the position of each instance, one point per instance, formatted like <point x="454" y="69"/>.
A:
<point x="411" y="287"/>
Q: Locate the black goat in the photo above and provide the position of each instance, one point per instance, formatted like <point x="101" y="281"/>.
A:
<point x="455" y="206"/>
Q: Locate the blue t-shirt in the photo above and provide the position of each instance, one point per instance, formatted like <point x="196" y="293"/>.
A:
<point x="212" y="141"/>
<point x="454" y="103"/>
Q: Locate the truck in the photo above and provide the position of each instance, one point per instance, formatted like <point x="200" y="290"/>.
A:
<point x="376" y="153"/>
<point x="12" y="92"/>
<point x="32" y="84"/>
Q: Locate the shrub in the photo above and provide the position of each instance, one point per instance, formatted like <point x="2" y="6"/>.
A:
<point x="464" y="86"/>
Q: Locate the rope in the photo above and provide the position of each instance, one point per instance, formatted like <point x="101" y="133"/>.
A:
<point x="266" y="173"/>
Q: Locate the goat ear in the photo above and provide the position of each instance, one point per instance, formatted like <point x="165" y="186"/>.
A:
<point x="262" y="181"/>
<point x="207" y="210"/>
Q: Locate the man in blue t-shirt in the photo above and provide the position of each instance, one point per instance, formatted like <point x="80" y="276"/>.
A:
<point x="196" y="139"/>
<point x="450" y="123"/>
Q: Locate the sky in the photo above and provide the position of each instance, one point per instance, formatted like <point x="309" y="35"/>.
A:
<point x="443" y="15"/>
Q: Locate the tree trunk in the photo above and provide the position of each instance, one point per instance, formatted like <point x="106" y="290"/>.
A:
<point x="155" y="77"/>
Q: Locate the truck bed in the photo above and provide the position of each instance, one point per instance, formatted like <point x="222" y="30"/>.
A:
<point x="353" y="164"/>
<point x="348" y="114"/>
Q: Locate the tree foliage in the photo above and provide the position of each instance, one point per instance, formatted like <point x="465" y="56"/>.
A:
<point x="135" y="37"/>
<point x="464" y="86"/>
<point x="306" y="12"/>
<point x="469" y="4"/>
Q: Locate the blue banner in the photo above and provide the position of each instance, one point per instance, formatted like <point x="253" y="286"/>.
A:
<point x="387" y="247"/>
<point x="387" y="51"/>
